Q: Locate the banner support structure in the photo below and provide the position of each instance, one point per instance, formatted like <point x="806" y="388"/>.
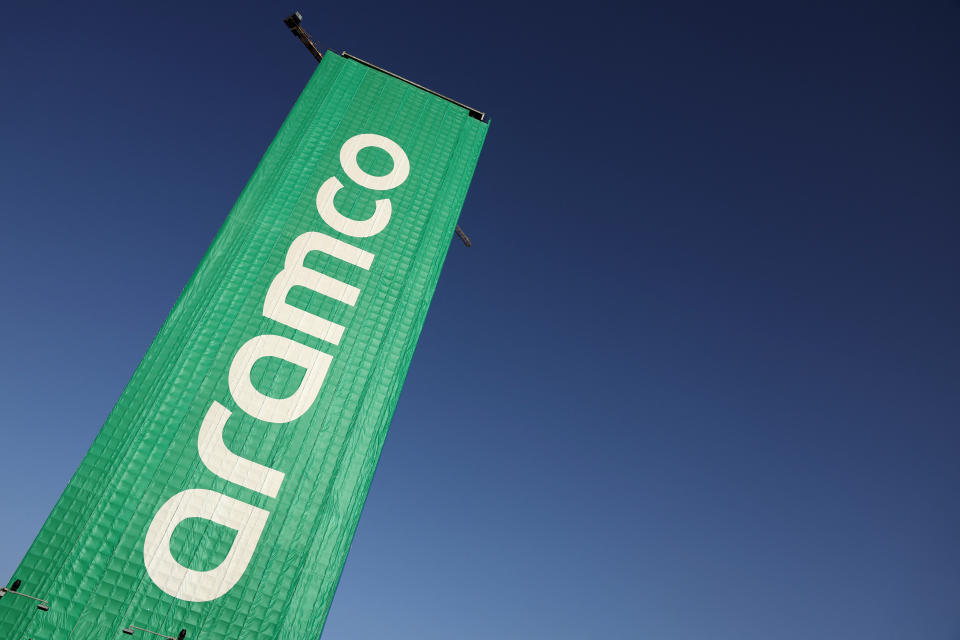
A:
<point x="293" y="23"/>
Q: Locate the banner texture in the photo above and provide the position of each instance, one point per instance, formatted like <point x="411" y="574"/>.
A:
<point x="223" y="491"/>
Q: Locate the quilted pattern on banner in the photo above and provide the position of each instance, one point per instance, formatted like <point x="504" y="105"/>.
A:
<point x="223" y="491"/>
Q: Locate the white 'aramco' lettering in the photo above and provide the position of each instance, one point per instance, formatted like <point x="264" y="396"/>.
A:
<point x="248" y="521"/>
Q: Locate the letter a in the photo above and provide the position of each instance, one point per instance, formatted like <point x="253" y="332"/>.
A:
<point x="201" y="586"/>
<point x="277" y="410"/>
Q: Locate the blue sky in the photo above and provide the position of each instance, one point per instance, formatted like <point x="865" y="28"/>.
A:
<point x="697" y="378"/>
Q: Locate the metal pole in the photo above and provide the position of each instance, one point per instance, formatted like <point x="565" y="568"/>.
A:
<point x="293" y="22"/>
<point x="463" y="236"/>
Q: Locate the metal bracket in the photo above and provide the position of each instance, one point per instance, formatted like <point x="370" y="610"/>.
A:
<point x="463" y="236"/>
<point x="12" y="589"/>
<point x="180" y="636"/>
<point x="479" y="115"/>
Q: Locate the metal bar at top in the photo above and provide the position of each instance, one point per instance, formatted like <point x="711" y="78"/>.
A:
<point x="479" y="115"/>
<point x="293" y="23"/>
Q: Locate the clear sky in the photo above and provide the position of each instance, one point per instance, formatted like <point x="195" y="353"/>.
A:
<point x="698" y="376"/>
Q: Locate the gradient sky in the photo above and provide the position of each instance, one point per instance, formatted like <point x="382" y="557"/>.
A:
<point x="698" y="376"/>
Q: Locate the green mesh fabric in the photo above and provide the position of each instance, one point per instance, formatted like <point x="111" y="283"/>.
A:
<point x="88" y="559"/>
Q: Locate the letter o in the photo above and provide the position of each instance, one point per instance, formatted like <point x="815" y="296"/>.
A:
<point x="348" y="160"/>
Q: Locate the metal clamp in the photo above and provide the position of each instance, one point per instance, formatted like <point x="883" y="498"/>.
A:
<point x="180" y="636"/>
<point x="44" y="604"/>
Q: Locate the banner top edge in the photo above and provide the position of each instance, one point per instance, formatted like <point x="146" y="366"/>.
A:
<point x="474" y="113"/>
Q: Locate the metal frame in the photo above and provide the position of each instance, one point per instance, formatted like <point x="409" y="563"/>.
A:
<point x="479" y="115"/>
<point x="293" y="22"/>
<point x="43" y="606"/>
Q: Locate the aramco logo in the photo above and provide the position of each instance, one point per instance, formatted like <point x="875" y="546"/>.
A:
<point x="247" y="520"/>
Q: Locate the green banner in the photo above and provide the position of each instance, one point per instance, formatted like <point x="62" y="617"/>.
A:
<point x="222" y="494"/>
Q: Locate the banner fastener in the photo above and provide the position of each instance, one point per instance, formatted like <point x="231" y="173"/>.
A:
<point x="180" y="636"/>
<point x="13" y="588"/>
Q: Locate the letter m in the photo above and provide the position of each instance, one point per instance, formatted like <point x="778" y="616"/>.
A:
<point x="295" y="274"/>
